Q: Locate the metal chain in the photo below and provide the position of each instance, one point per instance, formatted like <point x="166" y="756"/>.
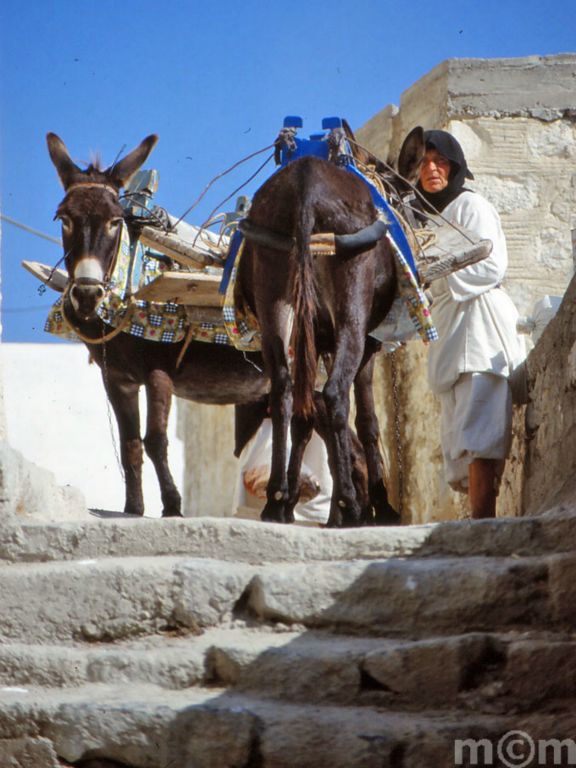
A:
<point x="397" y="430"/>
<point x="109" y="410"/>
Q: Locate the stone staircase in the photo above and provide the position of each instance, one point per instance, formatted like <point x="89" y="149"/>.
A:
<point x="209" y="643"/>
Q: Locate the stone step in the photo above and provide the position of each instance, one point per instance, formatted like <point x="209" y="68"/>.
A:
<point x="418" y="597"/>
<point x="480" y="672"/>
<point x="252" y="541"/>
<point x="148" y="727"/>
<point x="117" y="598"/>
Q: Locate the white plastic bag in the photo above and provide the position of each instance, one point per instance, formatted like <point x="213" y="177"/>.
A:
<point x="254" y="471"/>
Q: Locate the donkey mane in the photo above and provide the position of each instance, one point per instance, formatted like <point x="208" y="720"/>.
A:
<point x="95" y="168"/>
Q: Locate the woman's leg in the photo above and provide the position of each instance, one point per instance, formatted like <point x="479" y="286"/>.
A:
<point x="483" y="487"/>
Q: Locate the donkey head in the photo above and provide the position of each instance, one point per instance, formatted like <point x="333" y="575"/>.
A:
<point x="408" y="165"/>
<point x="91" y="217"/>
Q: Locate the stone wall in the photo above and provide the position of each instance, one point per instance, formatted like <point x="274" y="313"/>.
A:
<point x="516" y="120"/>
<point x="547" y="475"/>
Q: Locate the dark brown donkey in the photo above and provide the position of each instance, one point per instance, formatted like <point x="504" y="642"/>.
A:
<point x="91" y="219"/>
<point x="322" y="305"/>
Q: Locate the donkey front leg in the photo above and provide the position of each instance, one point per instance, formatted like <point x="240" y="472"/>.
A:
<point x="159" y="390"/>
<point x="123" y="397"/>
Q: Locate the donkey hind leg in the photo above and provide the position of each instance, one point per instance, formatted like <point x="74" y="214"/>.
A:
<point x="369" y="435"/>
<point x="159" y="399"/>
<point x="357" y="457"/>
<point x="345" y="509"/>
<point x="124" y="400"/>
<point x="300" y="432"/>
<point x="281" y="412"/>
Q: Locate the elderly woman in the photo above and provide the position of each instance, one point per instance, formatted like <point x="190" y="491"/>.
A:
<point x="470" y="365"/>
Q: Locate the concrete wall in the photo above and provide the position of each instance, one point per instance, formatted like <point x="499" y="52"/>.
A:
<point x="516" y="120"/>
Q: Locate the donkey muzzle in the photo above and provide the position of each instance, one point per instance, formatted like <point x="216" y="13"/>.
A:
<point x="86" y="294"/>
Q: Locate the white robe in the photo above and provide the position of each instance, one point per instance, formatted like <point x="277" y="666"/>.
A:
<point x="474" y="316"/>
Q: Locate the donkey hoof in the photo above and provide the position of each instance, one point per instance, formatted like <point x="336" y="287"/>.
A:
<point x="130" y="511"/>
<point x="274" y="512"/>
<point x="351" y="518"/>
<point x="172" y="513"/>
<point x="387" y="516"/>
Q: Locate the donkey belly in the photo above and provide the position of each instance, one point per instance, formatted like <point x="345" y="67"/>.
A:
<point x="220" y="375"/>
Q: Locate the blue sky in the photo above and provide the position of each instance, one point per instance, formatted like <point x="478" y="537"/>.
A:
<point x="214" y="81"/>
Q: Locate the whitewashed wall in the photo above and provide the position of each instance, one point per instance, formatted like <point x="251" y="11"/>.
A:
<point x="57" y="416"/>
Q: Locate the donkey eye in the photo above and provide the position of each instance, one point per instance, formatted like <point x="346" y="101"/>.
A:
<point x="115" y="223"/>
<point x="66" y="222"/>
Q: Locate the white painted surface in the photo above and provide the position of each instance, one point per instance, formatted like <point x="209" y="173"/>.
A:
<point x="57" y="416"/>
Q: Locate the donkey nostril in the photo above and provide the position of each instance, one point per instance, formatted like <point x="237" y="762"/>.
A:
<point x="86" y="297"/>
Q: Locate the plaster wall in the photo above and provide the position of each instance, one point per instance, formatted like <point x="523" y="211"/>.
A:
<point x="57" y="416"/>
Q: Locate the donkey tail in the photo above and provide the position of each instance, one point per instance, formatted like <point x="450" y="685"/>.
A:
<point x="304" y="301"/>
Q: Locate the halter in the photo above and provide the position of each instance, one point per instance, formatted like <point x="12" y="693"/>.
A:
<point x="125" y="322"/>
<point x="92" y="184"/>
<point x="104" y="186"/>
<point x="119" y="310"/>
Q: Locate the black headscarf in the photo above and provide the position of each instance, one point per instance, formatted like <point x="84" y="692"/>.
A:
<point x="444" y="143"/>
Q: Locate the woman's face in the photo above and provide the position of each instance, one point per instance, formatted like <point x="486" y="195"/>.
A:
<point x="435" y="171"/>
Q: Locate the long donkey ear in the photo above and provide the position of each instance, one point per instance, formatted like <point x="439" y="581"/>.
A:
<point x="121" y="171"/>
<point x="412" y="154"/>
<point x="360" y="155"/>
<point x="59" y="155"/>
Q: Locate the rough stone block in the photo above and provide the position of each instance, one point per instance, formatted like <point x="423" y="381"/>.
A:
<point x="93" y="600"/>
<point x="562" y="581"/>
<point x="396" y="596"/>
<point x="427" y="673"/>
<point x="27" y="490"/>
<point x="539" y="671"/>
<point x="207" y="592"/>
<point x="214" y="737"/>
<point x="28" y="753"/>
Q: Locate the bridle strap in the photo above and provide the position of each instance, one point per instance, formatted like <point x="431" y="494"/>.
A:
<point x="92" y="184"/>
<point x="112" y="265"/>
